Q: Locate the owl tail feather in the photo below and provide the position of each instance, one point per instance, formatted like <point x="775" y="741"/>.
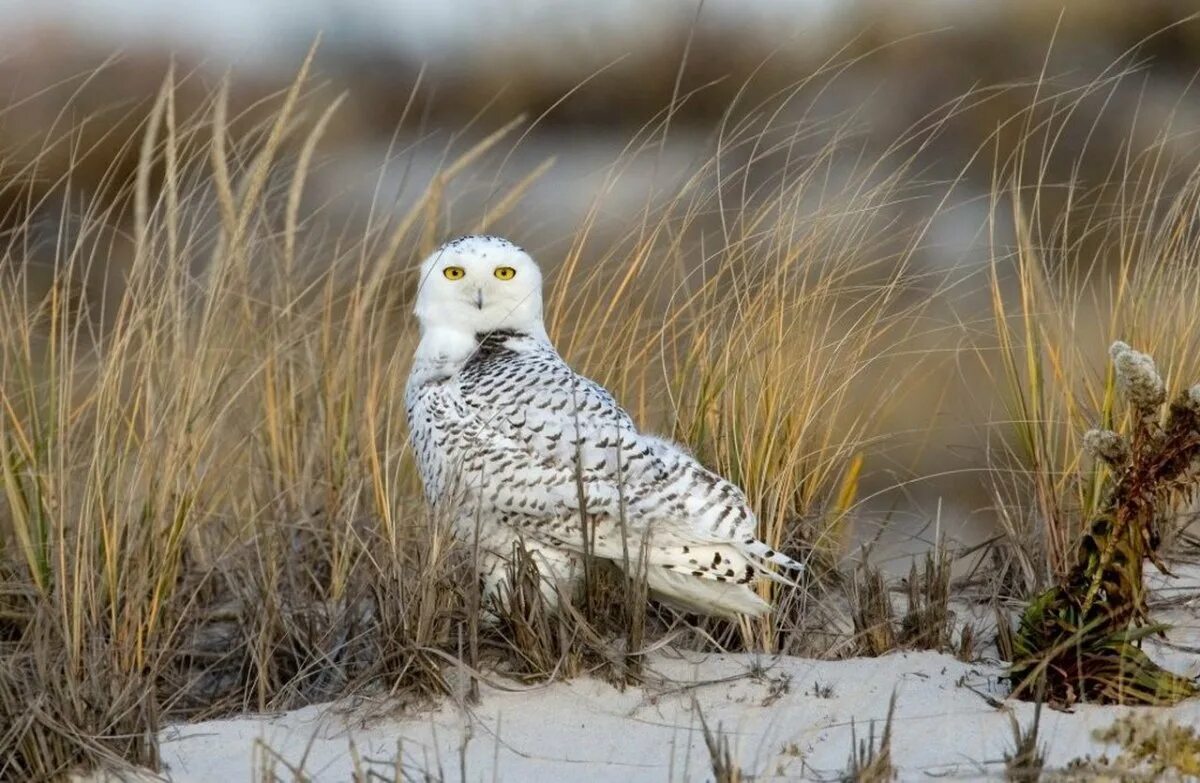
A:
<point x="704" y="577"/>
<point x="705" y="596"/>
<point x="760" y="550"/>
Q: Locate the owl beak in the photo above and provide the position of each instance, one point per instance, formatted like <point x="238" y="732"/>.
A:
<point x="479" y="299"/>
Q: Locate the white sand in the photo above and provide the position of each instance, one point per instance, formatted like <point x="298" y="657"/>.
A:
<point x="587" y="730"/>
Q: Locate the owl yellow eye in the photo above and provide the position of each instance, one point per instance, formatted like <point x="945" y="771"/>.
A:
<point x="505" y="272"/>
<point x="454" y="273"/>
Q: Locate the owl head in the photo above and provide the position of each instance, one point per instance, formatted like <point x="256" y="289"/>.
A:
<point x="480" y="284"/>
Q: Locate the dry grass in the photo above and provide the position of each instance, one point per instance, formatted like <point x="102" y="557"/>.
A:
<point x="874" y="615"/>
<point x="927" y="622"/>
<point x="1116" y="261"/>
<point x="1025" y="762"/>
<point x="206" y="501"/>
<point x="725" y="768"/>
<point x="870" y="762"/>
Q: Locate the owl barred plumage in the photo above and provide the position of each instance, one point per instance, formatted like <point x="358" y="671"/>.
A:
<point x="516" y="446"/>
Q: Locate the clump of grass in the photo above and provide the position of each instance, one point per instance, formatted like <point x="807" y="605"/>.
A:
<point x="927" y="622"/>
<point x="871" y="763"/>
<point x="725" y="768"/>
<point x="1083" y="634"/>
<point x="1024" y="763"/>
<point x="538" y="632"/>
<point x="874" y="615"/>
<point x="965" y="650"/>
<point x="583" y="632"/>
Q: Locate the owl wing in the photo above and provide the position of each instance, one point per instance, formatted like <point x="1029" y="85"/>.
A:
<point x="567" y="427"/>
<point x="555" y="411"/>
<point x="467" y="457"/>
<point x="539" y="462"/>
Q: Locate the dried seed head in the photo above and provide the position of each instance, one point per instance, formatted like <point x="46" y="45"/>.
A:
<point x="1193" y="398"/>
<point x="1106" y="445"/>
<point x="1138" y="378"/>
<point x="1118" y="348"/>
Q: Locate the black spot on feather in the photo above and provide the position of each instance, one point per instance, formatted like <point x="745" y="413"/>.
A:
<point x="493" y="345"/>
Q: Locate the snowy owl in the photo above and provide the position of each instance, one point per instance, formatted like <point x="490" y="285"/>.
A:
<point x="515" y="446"/>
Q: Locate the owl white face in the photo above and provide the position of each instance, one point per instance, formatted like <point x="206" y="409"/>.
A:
<point x="479" y="284"/>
